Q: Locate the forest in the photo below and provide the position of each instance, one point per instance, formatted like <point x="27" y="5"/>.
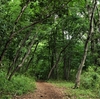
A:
<point x="55" y="41"/>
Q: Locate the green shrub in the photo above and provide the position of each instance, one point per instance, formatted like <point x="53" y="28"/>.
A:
<point x="18" y="85"/>
<point x="91" y="79"/>
<point x="23" y="84"/>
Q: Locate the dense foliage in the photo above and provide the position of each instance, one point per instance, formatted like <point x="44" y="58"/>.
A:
<point x="17" y="86"/>
<point x="91" y="79"/>
<point x="48" y="39"/>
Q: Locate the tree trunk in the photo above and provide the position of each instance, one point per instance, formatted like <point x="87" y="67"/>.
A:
<point x="64" y="66"/>
<point x="23" y="60"/>
<point x="59" y="56"/>
<point x="91" y="30"/>
<point x="31" y="57"/>
<point x="17" y="53"/>
<point x="13" y="31"/>
<point x="68" y="69"/>
<point x="77" y="82"/>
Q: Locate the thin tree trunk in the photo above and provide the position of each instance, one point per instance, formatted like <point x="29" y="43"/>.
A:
<point x="31" y="57"/>
<point x="64" y="66"/>
<point x="17" y="53"/>
<point x="52" y="63"/>
<point x="91" y="30"/>
<point x="59" y="56"/>
<point x="54" y="52"/>
<point x="57" y="61"/>
<point x="23" y="60"/>
<point x="68" y="69"/>
<point x="12" y="33"/>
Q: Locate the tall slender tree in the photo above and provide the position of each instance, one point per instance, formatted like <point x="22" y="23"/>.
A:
<point x="91" y="30"/>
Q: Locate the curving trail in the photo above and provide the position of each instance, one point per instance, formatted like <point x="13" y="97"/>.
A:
<point x="45" y="91"/>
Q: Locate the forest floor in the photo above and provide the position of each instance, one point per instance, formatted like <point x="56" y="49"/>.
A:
<point x="45" y="90"/>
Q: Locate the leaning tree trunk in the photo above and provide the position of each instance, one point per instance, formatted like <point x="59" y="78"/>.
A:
<point x="59" y="56"/>
<point x="22" y="43"/>
<point x="23" y="60"/>
<point x="91" y="30"/>
<point x="13" y="31"/>
<point x="28" y="64"/>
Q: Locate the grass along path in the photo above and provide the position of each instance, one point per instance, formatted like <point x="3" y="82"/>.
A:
<point x="45" y="90"/>
<point x="58" y="90"/>
<point x="80" y="93"/>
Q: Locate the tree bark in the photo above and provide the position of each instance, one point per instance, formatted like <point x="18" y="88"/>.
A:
<point x="64" y="66"/>
<point x="12" y="33"/>
<point x="31" y="57"/>
<point x="68" y="69"/>
<point x="59" y="56"/>
<point x="23" y="60"/>
<point x="17" y="53"/>
<point x="91" y="30"/>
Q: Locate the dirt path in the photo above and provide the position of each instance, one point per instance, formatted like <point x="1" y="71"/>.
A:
<point x="45" y="91"/>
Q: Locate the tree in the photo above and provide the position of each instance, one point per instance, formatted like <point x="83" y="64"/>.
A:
<point x="91" y="30"/>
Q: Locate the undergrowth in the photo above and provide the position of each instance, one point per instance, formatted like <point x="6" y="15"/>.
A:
<point x="89" y="88"/>
<point x="71" y="93"/>
<point x="18" y="85"/>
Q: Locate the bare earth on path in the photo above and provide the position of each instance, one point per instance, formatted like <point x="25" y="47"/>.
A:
<point x="45" y="91"/>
